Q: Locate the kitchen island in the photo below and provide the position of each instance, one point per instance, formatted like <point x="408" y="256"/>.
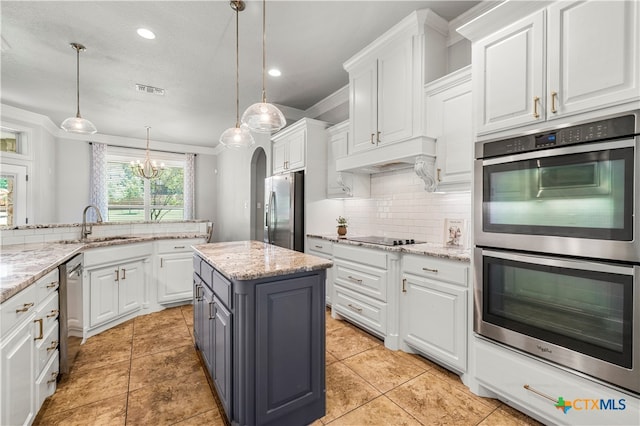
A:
<point x="259" y="325"/>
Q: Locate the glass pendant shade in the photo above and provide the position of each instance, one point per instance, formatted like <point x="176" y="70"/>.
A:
<point x="78" y="124"/>
<point x="237" y="137"/>
<point x="263" y="117"/>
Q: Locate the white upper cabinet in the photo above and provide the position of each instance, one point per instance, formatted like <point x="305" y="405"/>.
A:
<point x="386" y="78"/>
<point x="449" y="120"/>
<point x="572" y="57"/>
<point x="289" y="151"/>
<point x="343" y="184"/>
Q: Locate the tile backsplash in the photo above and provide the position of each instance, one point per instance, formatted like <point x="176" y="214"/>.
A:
<point x="400" y="207"/>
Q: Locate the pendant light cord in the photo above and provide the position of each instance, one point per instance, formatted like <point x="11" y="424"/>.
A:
<point x="264" y="54"/>
<point x="77" y="79"/>
<point x="237" y="68"/>
<point x="147" y="153"/>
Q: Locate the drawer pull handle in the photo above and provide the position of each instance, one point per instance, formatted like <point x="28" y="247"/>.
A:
<point x="117" y="275"/>
<point x="54" y="377"/>
<point x="354" y="308"/>
<point x="178" y="247"/>
<point x="372" y="142"/>
<point x="54" y="345"/>
<point x="52" y="285"/>
<point x="530" y="389"/>
<point x="435" y="271"/>
<point x="211" y="315"/>
<point x="25" y="307"/>
<point x="404" y="285"/>
<point x="536" y="100"/>
<point x="124" y="274"/>
<point x="378" y="137"/>
<point x="355" y="280"/>
<point x="554" y="96"/>
<point x="53" y="313"/>
<point x="319" y="247"/>
<point x="39" y="320"/>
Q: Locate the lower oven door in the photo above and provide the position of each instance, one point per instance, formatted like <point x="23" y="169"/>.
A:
<point x="584" y="315"/>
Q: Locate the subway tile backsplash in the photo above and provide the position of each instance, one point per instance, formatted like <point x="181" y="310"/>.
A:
<point x="400" y="207"/>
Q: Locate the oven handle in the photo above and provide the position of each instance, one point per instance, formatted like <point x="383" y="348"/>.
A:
<point x="552" y="152"/>
<point x="584" y="265"/>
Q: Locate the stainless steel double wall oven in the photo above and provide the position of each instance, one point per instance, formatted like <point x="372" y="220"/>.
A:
<point x="557" y="235"/>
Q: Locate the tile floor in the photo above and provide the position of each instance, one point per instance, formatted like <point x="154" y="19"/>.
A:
<point x="146" y="372"/>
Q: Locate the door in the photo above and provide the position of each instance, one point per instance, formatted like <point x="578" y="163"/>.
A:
<point x="297" y="144"/>
<point x="13" y="195"/>
<point x="198" y="311"/>
<point x="511" y="90"/>
<point x="280" y="155"/>
<point x="208" y="328"/>
<point x="104" y="294"/>
<point x="280" y="212"/>
<point x="363" y="104"/>
<point x="221" y="347"/>
<point x="131" y="286"/>
<point x="174" y="277"/>
<point x="17" y="378"/>
<point x="592" y="69"/>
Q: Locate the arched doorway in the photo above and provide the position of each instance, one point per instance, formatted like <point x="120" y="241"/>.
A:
<point x="258" y="173"/>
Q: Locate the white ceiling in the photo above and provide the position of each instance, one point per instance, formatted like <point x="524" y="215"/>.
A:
<point x="192" y="58"/>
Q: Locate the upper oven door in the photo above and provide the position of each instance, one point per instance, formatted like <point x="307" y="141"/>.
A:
<point x="549" y="200"/>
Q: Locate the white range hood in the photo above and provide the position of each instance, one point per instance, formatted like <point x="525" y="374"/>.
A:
<point x="417" y="153"/>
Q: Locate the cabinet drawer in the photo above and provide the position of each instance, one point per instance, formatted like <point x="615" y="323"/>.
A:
<point x="319" y="245"/>
<point x="206" y="273"/>
<point x="368" y="312"/>
<point x="222" y="288"/>
<point x="506" y="372"/>
<point x="117" y="254"/>
<point x="361" y="278"/>
<point x="17" y="308"/>
<point x="46" y="347"/>
<point x="177" y="245"/>
<point x="439" y="269"/>
<point x="46" y="382"/>
<point x="197" y="260"/>
<point x="48" y="312"/>
<point x="47" y="285"/>
<point x="376" y="258"/>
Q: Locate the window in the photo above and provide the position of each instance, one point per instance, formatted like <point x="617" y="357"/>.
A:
<point x="131" y="198"/>
<point x="11" y="141"/>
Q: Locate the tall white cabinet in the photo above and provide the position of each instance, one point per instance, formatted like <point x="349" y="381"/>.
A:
<point x="568" y="58"/>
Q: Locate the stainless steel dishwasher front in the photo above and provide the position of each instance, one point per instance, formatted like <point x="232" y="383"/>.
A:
<point x="70" y="291"/>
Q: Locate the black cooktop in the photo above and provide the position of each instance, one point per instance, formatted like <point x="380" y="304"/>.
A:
<point x="385" y="241"/>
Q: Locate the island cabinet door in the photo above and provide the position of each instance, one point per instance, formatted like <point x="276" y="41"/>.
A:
<point x="290" y="352"/>
<point x="222" y="354"/>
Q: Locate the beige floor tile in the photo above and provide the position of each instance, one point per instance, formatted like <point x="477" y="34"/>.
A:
<point x="209" y="418"/>
<point x="330" y="359"/>
<point x="161" y="366"/>
<point x="333" y="324"/>
<point x="344" y="342"/>
<point x="151" y="323"/>
<point x="383" y="368"/>
<point x="507" y="416"/>
<point x="108" y="412"/>
<point x="345" y="391"/>
<point x="380" y="411"/>
<point x="437" y="402"/>
<point x="170" y="401"/>
<point x="109" y="347"/>
<point x="160" y="340"/>
<point x="82" y="388"/>
<point x="187" y="313"/>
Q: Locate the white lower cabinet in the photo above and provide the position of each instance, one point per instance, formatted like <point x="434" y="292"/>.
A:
<point x="537" y="387"/>
<point x="324" y="249"/>
<point x="434" y="308"/>
<point x="174" y="269"/>
<point x="29" y="350"/>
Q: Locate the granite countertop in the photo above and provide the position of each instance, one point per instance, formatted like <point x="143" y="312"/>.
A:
<point x="424" y="249"/>
<point x="249" y="260"/>
<point x="23" y="264"/>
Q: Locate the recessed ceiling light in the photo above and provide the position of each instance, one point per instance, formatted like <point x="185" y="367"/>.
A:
<point x="145" y="33"/>
<point x="274" y="72"/>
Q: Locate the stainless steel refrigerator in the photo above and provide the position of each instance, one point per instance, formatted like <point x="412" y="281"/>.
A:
<point x="284" y="210"/>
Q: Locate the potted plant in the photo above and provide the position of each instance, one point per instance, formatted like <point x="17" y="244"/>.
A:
<point x="342" y="226"/>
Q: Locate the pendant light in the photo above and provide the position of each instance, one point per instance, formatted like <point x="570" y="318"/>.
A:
<point x="238" y="136"/>
<point x="147" y="169"/>
<point x="78" y="124"/>
<point x="262" y="117"/>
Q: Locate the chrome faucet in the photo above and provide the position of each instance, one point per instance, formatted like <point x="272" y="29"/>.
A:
<point x="86" y="231"/>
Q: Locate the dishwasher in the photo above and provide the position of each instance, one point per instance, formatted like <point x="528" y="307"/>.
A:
<point x="70" y="293"/>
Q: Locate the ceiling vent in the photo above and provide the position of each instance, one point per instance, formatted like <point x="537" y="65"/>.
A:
<point x="149" y="89"/>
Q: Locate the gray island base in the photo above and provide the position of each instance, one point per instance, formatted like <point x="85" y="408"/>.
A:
<point x="259" y="325"/>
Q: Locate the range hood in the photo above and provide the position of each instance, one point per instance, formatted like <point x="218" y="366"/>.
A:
<point x="417" y="153"/>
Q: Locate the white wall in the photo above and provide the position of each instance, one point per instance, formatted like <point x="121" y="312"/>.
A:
<point x="400" y="207"/>
<point x="206" y="187"/>
<point x="73" y="181"/>
<point x="459" y="55"/>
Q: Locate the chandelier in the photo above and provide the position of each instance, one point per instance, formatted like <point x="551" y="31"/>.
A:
<point x="78" y="124"/>
<point x="238" y="136"/>
<point x="263" y="117"/>
<point x="147" y="169"/>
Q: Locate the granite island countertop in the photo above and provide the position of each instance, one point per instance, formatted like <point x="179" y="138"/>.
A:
<point x="424" y="249"/>
<point x="249" y="260"/>
<point x="23" y="264"/>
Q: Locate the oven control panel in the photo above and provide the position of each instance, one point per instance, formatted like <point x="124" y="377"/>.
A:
<point x="589" y="132"/>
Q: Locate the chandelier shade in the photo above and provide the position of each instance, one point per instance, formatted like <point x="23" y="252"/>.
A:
<point x="78" y="124"/>
<point x="147" y="169"/>
<point x="239" y="136"/>
<point x="263" y="117"/>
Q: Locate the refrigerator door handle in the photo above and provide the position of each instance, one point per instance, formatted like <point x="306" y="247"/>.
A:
<point x="269" y="215"/>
